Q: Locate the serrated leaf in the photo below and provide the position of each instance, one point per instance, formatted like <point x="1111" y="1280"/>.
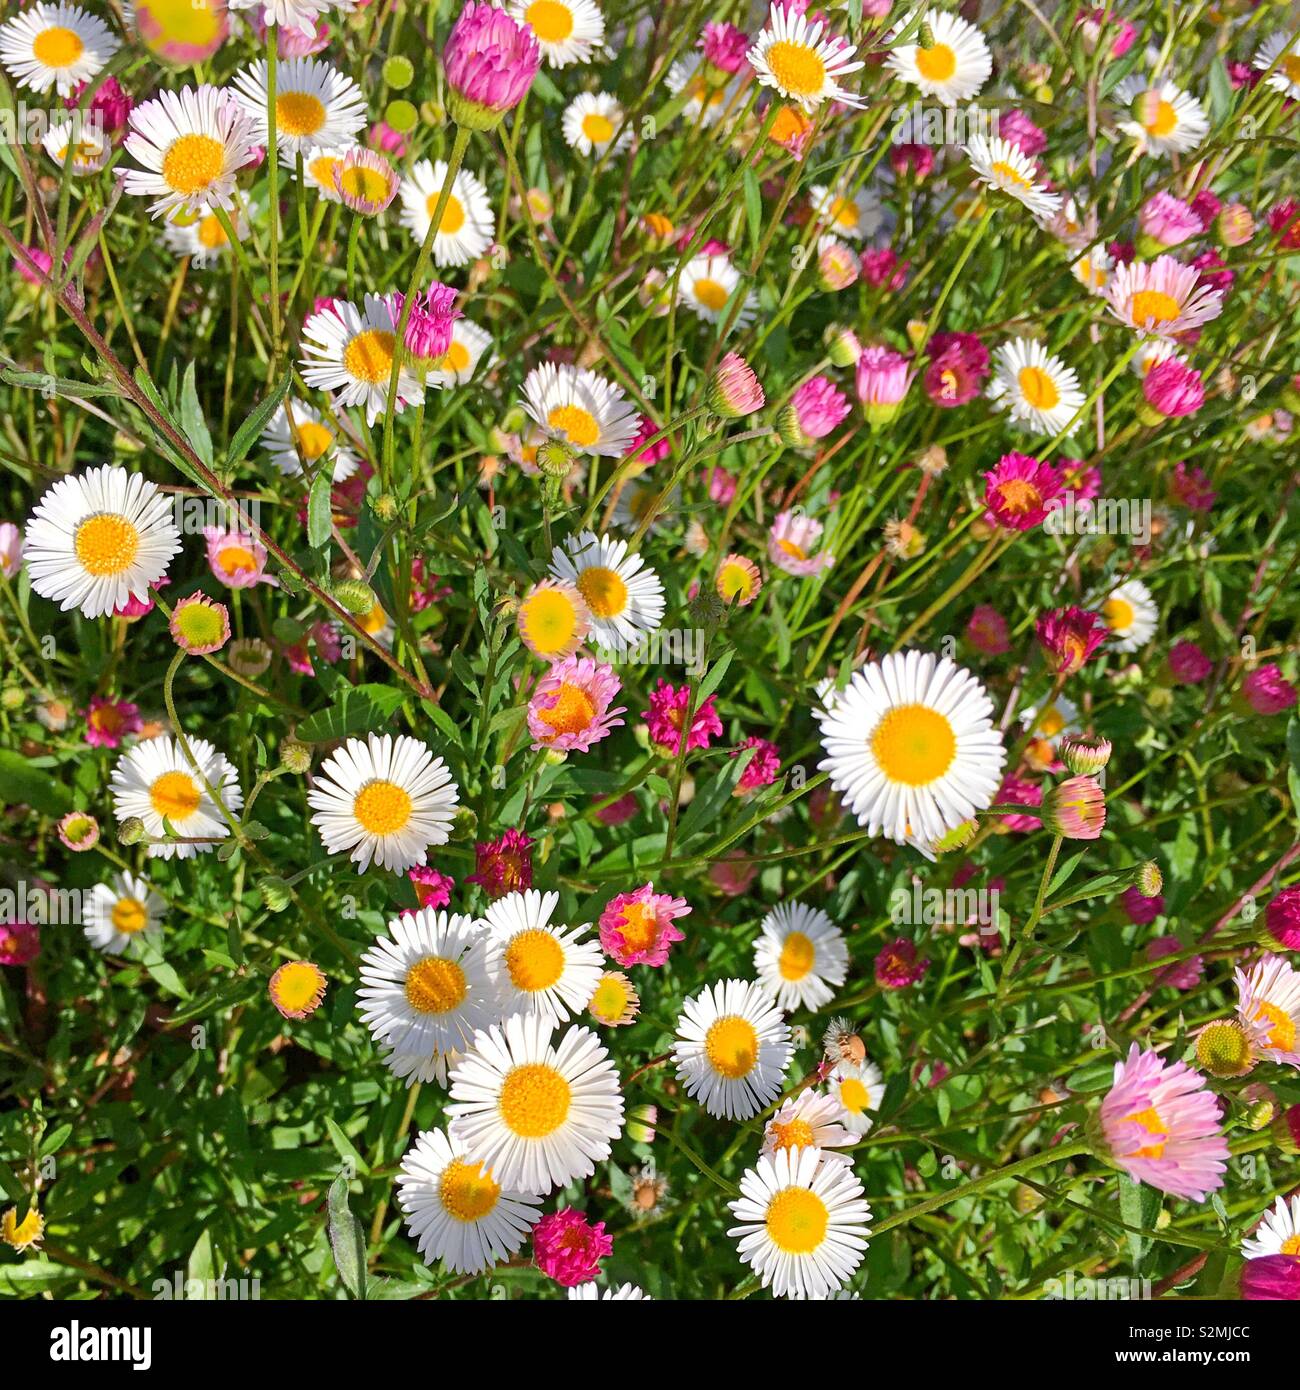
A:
<point x="358" y="709"/>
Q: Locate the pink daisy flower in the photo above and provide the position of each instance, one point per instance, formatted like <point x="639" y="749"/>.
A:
<point x="503" y="865"/>
<point x="20" y="942"/>
<point x="568" y="1248"/>
<point x="1017" y="791"/>
<point x="1268" y="1005"/>
<point x="1188" y="664"/>
<point x="1069" y="637"/>
<point x="1267" y="691"/>
<point x="819" y="406"/>
<point x="1163" y="297"/>
<point x="667" y="714"/>
<point x="762" y="768"/>
<point x="897" y="965"/>
<point x="432" y="889"/>
<point x="987" y="631"/>
<point x="237" y="560"/>
<point x="108" y="722"/>
<point x="637" y="928"/>
<point x="1283" y="918"/>
<point x="1271" y="1277"/>
<point x="791" y="543"/>
<point x="570" y="707"/>
<point x="1018" y="490"/>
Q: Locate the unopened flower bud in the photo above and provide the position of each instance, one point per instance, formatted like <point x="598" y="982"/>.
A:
<point x="355" y="595"/>
<point x="295" y="756"/>
<point x="131" y="831"/>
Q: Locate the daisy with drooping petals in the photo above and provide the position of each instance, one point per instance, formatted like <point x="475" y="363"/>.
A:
<point x="804" y="1223"/>
<point x="552" y="619"/>
<point x="615" y="1001"/>
<point x="99" y="539"/>
<point x="810" y="1120"/>
<point x="456" y="1210"/>
<point x="1161" y="1125"/>
<point x="952" y="68"/>
<point x="1131" y="615"/>
<point x="387" y="800"/>
<point x="793" y="57"/>
<point x="467" y="226"/>
<point x="584" y="410"/>
<point x="858" y="1089"/>
<point x="90" y="148"/>
<point x="350" y="351"/>
<point x="733" y="1049"/>
<point x="191" y="143"/>
<point x="1036" y="389"/>
<point x="315" y="104"/>
<point x="59" y="46"/>
<point x="157" y="783"/>
<point x="1163" y="297"/>
<point x="1165" y="119"/>
<point x="1279" y="56"/>
<point x="798" y="956"/>
<point x="306" y="439"/>
<point x="623" y="594"/>
<point x="590" y="1293"/>
<point x="545" y="968"/>
<point x="570" y="707"/>
<point x="203" y="239"/>
<point x="591" y="122"/>
<point x="1005" y="167"/>
<point x="910" y="745"/>
<point x="1268" y="1005"/>
<point x="706" y="285"/>
<point x="459" y="363"/>
<point x="121" y="914"/>
<point x="539" y="1113"/>
<point x="855" y="215"/>
<point x="790" y="543"/>
<point x="567" y="31"/>
<point x="637" y="928"/>
<point x="1278" y="1233"/>
<point x="432" y="986"/>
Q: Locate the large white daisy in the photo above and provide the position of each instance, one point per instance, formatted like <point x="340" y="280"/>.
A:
<point x="567" y="31"/>
<point x="120" y="915"/>
<point x="1131" y="615"/>
<point x="1278" y="1233"/>
<point x="315" y="104"/>
<point x="100" y="538"/>
<point x="623" y="594"/>
<point x="350" y="351"/>
<point x="385" y="799"/>
<point x="467" y="226"/>
<point x="798" y="58"/>
<point x="58" y="46"/>
<point x="911" y="747"/>
<point x="544" y="968"/>
<point x="1282" y="55"/>
<point x="584" y="410"/>
<point x="706" y="285"/>
<point x="157" y="783"/>
<point x="538" y="1114"/>
<point x="1036" y="389"/>
<point x="799" y="955"/>
<point x="310" y="438"/>
<point x="1165" y="119"/>
<point x="953" y="68"/>
<point x="733" y="1049"/>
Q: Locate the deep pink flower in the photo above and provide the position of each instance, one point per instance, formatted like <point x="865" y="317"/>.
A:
<point x="503" y="865"/>
<point x="722" y="485"/>
<point x="382" y="136"/>
<point x="637" y="928"/>
<point x="1082" y="479"/>
<point x="667" y="713"/>
<point x="1173" y="389"/>
<point x="1182" y="974"/>
<point x="1019" y="791"/>
<point x="820" y="406"/>
<point x="1018" y="490"/>
<point x="905" y="159"/>
<point x="1188" y="664"/>
<point x="959" y="364"/>
<point x="762" y="767"/>
<point x="987" y="631"/>
<point x="1125" y="32"/>
<point x="1206" y="207"/>
<point x="724" y="46"/>
<point x="490" y="62"/>
<point x="432" y="889"/>
<point x="897" y="965"/>
<point x="135" y="608"/>
<point x="1069" y="636"/>
<point x="1168" y="221"/>
<point x="1191" y="487"/>
<point x="428" y="330"/>
<point x="1140" y="909"/>
<point x="1267" y="691"/>
<point x="112" y="103"/>
<point x="1284" y="220"/>
<point x="647" y="454"/>
<point x="1271" y="1277"/>
<point x="1283" y="918"/>
<point x="619" y="812"/>
<point x="881" y="267"/>
<point x="20" y="942"/>
<point x="43" y="259"/>
<point x="882" y="382"/>
<point x="426" y="587"/>
<point x="568" y="1248"/>
<point x="1243" y="75"/>
<point x="1017" y="129"/>
<point x="733" y="873"/>
<point x="108" y="722"/>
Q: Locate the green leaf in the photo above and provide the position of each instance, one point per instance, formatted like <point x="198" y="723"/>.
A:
<point x="320" y="514"/>
<point x="1139" y="1205"/>
<point x="347" y="1150"/>
<point x="23" y="783"/>
<point x="358" y="709"/>
<point x="55" y="1140"/>
<point x="192" y="420"/>
<point x="347" y="1240"/>
<point x="753" y="206"/>
<point x="250" y="431"/>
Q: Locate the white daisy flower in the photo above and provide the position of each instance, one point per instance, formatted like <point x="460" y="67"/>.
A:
<point x="592" y="120"/>
<point x="99" y="538"/>
<point x="589" y="1293"/>
<point x="203" y="239"/>
<point x="624" y="595"/>
<point x="1166" y="120"/>
<point x="1278" y="1233"/>
<point x="468" y="223"/>
<point x="460" y="362"/>
<point x="1092" y="269"/>
<point x="1163" y="297"/>
<point x="733" y="1049"/>
<point x="1268" y="1006"/>
<point x="706" y="285"/>
<point x="911" y="747"/>
<point x="857" y="1088"/>
<point x="294" y="14"/>
<point x="543" y="968"/>
<point x="1283" y="58"/>
<point x="350" y="351"/>
<point x="1005" y="167"/>
<point x="707" y="101"/>
<point x="574" y="404"/>
<point x="315" y="104"/>
<point x="156" y="782"/>
<point x="567" y="31"/>
<point x="792" y="56"/>
<point x="319" y="165"/>
<point x="854" y="215"/>
<point x="121" y="914"/>
<point x="58" y="46"/>
<point x="953" y="68"/>
<point x="455" y="1208"/>
<point x="804" y="1224"/>
<point x="432" y="986"/>
<point x="810" y="1120"/>
<point x="539" y="1114"/>
<point x="192" y="143"/>
<point x="799" y="955"/>
<point x="1131" y="615"/>
<point x="1036" y="389"/>
<point x="1051" y="718"/>
<point x="310" y="438"/>
<point x="90" y="149"/>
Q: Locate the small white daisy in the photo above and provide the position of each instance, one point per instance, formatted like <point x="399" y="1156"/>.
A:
<point x="90" y="149"/>
<point x="857" y="1088"/>
<point x="589" y="1293"/>
<point x="623" y="594"/>
<point x="567" y="31"/>
<point x="856" y="215"/>
<point x="460" y="362"/>
<point x="804" y="1223"/>
<point x="350" y="351"/>
<point x="910" y="745"/>
<point x="315" y="104"/>
<point x="589" y="413"/>
<point x="203" y="239"/>
<point x="1051" y="718"/>
<point x="1036" y="389"/>
<point x="319" y="165"/>
<point x="1131" y="615"/>
<point x="99" y="538"/>
<point x="1283" y="57"/>
<point x="544" y="968"/>
<point x="707" y="101"/>
<point x="705" y="286"/>
<point x="310" y="438"/>
<point x="792" y="56"/>
<point x="733" y="1049"/>
<point x="387" y="800"/>
<point x="58" y="46"/>
<point x="191" y="143"/>
<point x="155" y="782"/>
<point x="1166" y="120"/>
<point x="799" y="955"/>
<point x="539" y="1114"/>
<point x="294" y="14"/>
<point x="121" y="914"/>
<point x="1092" y="269"/>
<point x="810" y="1120"/>
<point x="592" y="120"/>
<point x="468" y="223"/>
<point x="953" y="68"/>
<point x="1278" y="1233"/>
<point x="1005" y="167"/>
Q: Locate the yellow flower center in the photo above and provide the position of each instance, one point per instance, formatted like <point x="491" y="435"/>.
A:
<point x="1155" y="1129"/>
<point x="550" y="621"/>
<point x="1019" y="496"/>
<point x="798" y="70"/>
<point x="577" y="425"/>
<point x="21" y="1234"/>
<point x="797" y="956"/>
<point x="797" y="1220"/>
<point x="376" y="620"/>
<point x="466" y="1192"/>
<point x="1291" y="66"/>
<point x="1118" y="614"/>
<point x="609" y="1002"/>
<point x="731" y="1045"/>
<point x="175" y="796"/>
<point x="854" y="1096"/>
<point x="639" y="927"/>
<point x="797" y="1134"/>
<point x="604" y="590"/>
<point x="534" y="1100"/>
<point x="597" y="128"/>
<point x="322" y="169"/>
<point x="453" y="215"/>
<point x="382" y="808"/>
<point x="455" y="359"/>
<point x="236" y="559"/>
<point x="1009" y="174"/>
<point x="1282" y="1034"/>
<point x="734" y="582"/>
<point x="312" y="439"/>
<point x="363" y="184"/>
<point x="129" y="916"/>
<point x="297" y="985"/>
<point x="106" y="544"/>
<point x="1049" y="722"/>
<point x="435" y="985"/>
<point x="57" y="47"/>
<point x="792" y="549"/>
<point x="572" y="711"/>
<point x="551" y="21"/>
<point x="844" y="212"/>
<point x="711" y="294"/>
<point x="1038" y="388"/>
<point x="936" y="64"/>
<point x="211" y="233"/>
<point x="369" y="356"/>
<point x="1153" y="306"/>
<point x="1290" y="1246"/>
<point x="298" y="113"/>
<point x="535" y="960"/>
<point x="914" y="745"/>
<point x="192" y="162"/>
<point x="1156" y="114"/>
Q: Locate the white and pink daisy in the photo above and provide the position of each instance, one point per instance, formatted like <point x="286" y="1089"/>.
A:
<point x="792" y="541"/>
<point x="637" y="928"/>
<point x="1268" y="1005"/>
<point x="570" y="709"/>
<point x="1162" y="297"/>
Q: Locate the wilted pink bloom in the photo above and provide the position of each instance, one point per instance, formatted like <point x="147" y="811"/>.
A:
<point x="1283" y="918"/>
<point x="820" y="406"/>
<point x="1182" y="974"/>
<point x="1235" y="225"/>
<point x="987" y="631"/>
<point x="1168" y="221"/>
<point x="1188" y="664"/>
<point x="637" y="928"/>
<point x="882" y="383"/>
<point x="570" y="708"/>
<point x="108" y="722"/>
<point x="1271" y="1277"/>
<point x="1162" y="1126"/>
<point x="236" y="559"/>
<point x="568" y="1248"/>
<point x="428" y="330"/>
<point x="1191" y="487"/>
<point x="667" y="714"/>
<point x="1267" y="691"/>
<point x="724" y="46"/>
<point x="1019" y="791"/>
<point x="1140" y="909"/>
<point x="1069" y="636"/>
<point x="959" y="364"/>
<point x="791" y="542"/>
<point x="1173" y="389"/>
<point x="1017" y="129"/>
<point x="20" y="942"/>
<point x="490" y="62"/>
<point x="503" y="865"/>
<point x="432" y="889"/>
<point x="1075" y="808"/>
<point x="897" y="965"/>
<point x="1018" y="490"/>
<point x="762" y="768"/>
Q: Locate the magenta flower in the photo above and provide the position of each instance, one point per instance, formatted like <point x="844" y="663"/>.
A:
<point x="20" y="942"/>
<point x="1069" y="636"/>
<point x="722" y="485"/>
<point x="135" y="608"/>
<point x="645" y="453"/>
<point x="1173" y="389"/>
<point x="1140" y="909"/>
<point x="1214" y="271"/>
<point x="1018" y="490"/>
<point x="1182" y="974"/>
<point x="1188" y="664"/>
<point x="1017" y="129"/>
<point x="916" y="160"/>
<point x="881" y="267"/>
<point x="637" y="928"/>
<point x="1190" y="487"/>
<point x="819" y="405"/>
<point x="1267" y="691"/>
<point x="882" y="383"/>
<point x="432" y="889"/>
<point x="1080" y="478"/>
<point x="490" y="62"/>
<point x="428" y="330"/>
<point x="1274" y="1277"/>
<point x="382" y="136"/>
<point x="1019" y="791"/>
<point x="619" y="812"/>
<point x="959" y="364"/>
<point x="897" y="965"/>
<point x="568" y="1248"/>
<point x="41" y="259"/>
<point x="1161" y="1126"/>
<point x="1168" y="221"/>
<point x="108" y="722"/>
<point x="762" y="768"/>
<point x="667" y="714"/>
<point x="1092" y="22"/>
<point x="503" y="865"/>
<point x="570" y="706"/>
<point x="1283" y="918"/>
<point x="112" y="103"/>
<point x="724" y="46"/>
<point x="986" y="631"/>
